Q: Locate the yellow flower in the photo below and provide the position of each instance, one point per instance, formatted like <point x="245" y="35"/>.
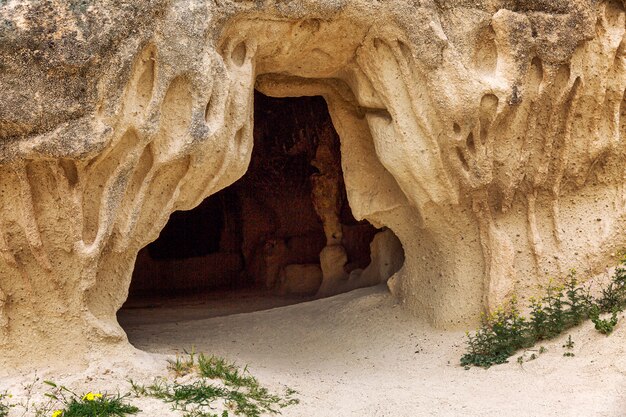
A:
<point x="57" y="413"/>
<point x="90" y="396"/>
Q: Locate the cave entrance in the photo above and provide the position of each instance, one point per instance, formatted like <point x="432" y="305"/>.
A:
<point x="281" y="234"/>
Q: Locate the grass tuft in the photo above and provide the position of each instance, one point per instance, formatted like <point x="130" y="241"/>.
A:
<point x="70" y="404"/>
<point x="102" y="407"/>
<point x="219" y="383"/>
<point x="182" y="365"/>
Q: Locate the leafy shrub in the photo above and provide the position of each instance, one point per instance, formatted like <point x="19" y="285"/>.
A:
<point x="504" y="332"/>
<point x="500" y="336"/>
<point x="578" y="300"/>
<point x="4" y="406"/>
<point x="614" y="294"/>
<point x="603" y="326"/>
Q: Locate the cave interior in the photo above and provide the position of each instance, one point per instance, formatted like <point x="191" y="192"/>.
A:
<point x="265" y="232"/>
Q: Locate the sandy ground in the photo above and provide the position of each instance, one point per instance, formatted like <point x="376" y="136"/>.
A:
<point x="361" y="354"/>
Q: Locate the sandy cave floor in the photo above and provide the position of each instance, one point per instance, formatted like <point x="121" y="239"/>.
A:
<point x="361" y="354"/>
<point x="140" y="311"/>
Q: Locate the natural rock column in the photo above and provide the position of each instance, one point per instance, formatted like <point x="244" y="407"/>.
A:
<point x="326" y="186"/>
<point x="326" y="196"/>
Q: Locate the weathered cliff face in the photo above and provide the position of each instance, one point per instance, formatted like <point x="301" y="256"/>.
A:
<point x="488" y="135"/>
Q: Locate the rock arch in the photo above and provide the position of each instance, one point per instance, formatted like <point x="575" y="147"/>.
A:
<point x="486" y="164"/>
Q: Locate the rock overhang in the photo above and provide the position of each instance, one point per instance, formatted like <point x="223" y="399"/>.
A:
<point x="480" y="132"/>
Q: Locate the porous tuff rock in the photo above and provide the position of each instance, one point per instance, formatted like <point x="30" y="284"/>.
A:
<point x="488" y="135"/>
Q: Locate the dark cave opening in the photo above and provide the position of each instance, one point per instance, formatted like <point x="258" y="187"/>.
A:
<point x="264" y="233"/>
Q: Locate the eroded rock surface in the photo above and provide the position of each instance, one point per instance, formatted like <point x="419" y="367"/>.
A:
<point x="488" y="135"/>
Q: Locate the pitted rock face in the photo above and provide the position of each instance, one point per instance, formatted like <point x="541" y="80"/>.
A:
<point x="487" y="135"/>
<point x="54" y="52"/>
<point x="60" y="51"/>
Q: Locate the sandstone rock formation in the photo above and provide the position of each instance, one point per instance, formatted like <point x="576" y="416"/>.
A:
<point x="488" y="135"/>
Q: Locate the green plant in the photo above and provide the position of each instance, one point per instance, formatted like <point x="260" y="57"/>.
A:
<point x="182" y="365"/>
<point x="501" y="334"/>
<point x="4" y="404"/>
<point x="569" y="345"/>
<point x="578" y="300"/>
<point x="555" y="314"/>
<point x="614" y="295"/>
<point x="562" y="307"/>
<point x="604" y="326"/>
<point x="87" y="405"/>
<point x="504" y="332"/>
<point x="218" y="381"/>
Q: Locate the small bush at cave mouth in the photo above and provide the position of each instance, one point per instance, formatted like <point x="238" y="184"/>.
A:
<point x="505" y="331"/>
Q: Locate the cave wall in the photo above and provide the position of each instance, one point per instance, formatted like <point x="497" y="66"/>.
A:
<point x="487" y="135"/>
<point x="196" y="250"/>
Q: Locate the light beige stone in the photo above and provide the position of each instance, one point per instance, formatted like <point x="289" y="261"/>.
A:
<point x="333" y="260"/>
<point x="487" y="135"/>
<point x="387" y="259"/>
<point x="300" y="279"/>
